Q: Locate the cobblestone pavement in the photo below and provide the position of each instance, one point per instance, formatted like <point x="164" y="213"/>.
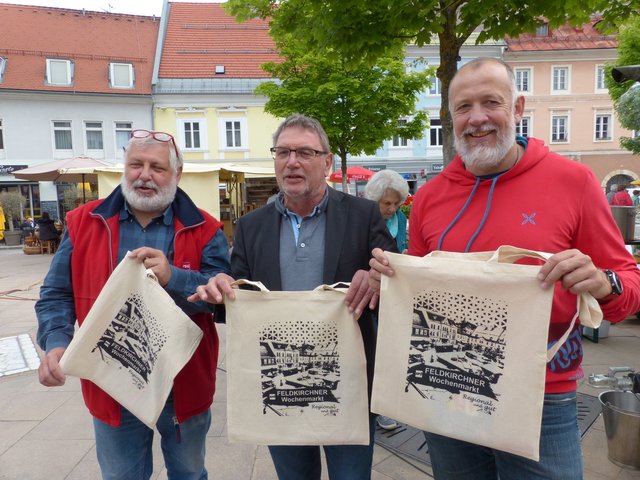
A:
<point x="46" y="433"/>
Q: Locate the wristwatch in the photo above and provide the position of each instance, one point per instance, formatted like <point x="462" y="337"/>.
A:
<point x="614" y="280"/>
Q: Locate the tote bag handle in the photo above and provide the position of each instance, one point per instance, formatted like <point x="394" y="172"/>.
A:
<point x="151" y="275"/>
<point x="587" y="307"/>
<point x="260" y="286"/>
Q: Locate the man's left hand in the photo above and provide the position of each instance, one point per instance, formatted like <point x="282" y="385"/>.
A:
<point x="155" y="260"/>
<point x="360" y="294"/>
<point x="576" y="272"/>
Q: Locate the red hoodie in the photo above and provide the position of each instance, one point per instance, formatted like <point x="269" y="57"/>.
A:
<point x="546" y="203"/>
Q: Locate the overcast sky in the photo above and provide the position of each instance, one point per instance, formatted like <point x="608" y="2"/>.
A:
<point x="135" y="7"/>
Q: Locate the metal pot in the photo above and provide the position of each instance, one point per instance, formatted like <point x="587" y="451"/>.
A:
<point x="625" y="218"/>
<point x="621" y="414"/>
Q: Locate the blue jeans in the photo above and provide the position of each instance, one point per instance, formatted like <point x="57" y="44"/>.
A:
<point x="344" y="462"/>
<point x="124" y="452"/>
<point x="560" y="452"/>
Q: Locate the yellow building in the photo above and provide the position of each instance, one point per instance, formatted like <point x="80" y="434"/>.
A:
<point x="203" y="90"/>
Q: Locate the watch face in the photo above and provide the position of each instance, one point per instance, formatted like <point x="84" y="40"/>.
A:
<point x="614" y="280"/>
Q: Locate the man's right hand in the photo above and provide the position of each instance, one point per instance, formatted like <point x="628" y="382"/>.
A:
<point x="49" y="371"/>
<point x="379" y="266"/>
<point x="215" y="290"/>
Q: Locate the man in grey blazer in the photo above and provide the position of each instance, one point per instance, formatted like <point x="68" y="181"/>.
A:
<point x="311" y="235"/>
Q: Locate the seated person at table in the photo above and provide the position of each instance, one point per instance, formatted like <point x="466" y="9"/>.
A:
<point x="47" y="228"/>
<point x="27" y="226"/>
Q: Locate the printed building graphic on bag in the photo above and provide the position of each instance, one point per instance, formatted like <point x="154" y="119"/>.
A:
<point x="300" y="368"/>
<point x="132" y="340"/>
<point x="457" y="345"/>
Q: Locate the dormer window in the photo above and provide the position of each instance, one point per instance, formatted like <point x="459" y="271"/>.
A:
<point x="121" y="75"/>
<point x="219" y="69"/>
<point x="542" y="30"/>
<point x="59" y="72"/>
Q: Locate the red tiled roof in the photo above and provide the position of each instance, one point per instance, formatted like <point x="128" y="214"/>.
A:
<point x="92" y="40"/>
<point x="201" y="36"/>
<point x="564" y="38"/>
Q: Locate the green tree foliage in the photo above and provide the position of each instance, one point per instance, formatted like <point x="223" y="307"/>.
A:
<point x="628" y="108"/>
<point x="626" y="95"/>
<point x="365" y="30"/>
<point x="628" y="54"/>
<point x="358" y="105"/>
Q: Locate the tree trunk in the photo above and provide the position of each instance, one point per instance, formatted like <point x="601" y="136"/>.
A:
<point x="343" y="167"/>
<point x="450" y="45"/>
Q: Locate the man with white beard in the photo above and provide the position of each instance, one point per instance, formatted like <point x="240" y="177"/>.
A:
<point x="149" y="216"/>
<point x="506" y="190"/>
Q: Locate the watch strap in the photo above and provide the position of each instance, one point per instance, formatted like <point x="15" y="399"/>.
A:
<point x="614" y="281"/>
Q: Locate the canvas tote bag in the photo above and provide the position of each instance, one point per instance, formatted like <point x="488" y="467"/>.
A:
<point x="133" y="342"/>
<point x="462" y="346"/>
<point x="296" y="369"/>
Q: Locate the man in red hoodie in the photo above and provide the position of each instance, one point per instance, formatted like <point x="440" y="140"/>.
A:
<point x="184" y="246"/>
<point x="506" y="190"/>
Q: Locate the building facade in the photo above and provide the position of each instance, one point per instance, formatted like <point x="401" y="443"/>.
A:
<point x="72" y="82"/>
<point x="421" y="159"/>
<point x="205" y="74"/>
<point x="560" y="72"/>
<point x="204" y="79"/>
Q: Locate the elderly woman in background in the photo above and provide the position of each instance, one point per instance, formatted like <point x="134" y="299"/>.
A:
<point x="390" y="190"/>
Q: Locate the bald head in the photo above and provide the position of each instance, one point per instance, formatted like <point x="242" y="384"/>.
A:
<point x="478" y="63"/>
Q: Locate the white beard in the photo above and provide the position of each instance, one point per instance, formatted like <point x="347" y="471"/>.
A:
<point x="482" y="156"/>
<point x="158" y="202"/>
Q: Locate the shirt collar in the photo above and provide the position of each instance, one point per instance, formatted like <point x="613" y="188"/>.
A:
<point x="317" y="210"/>
<point x="167" y="215"/>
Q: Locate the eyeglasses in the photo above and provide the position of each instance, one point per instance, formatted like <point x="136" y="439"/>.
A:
<point x="302" y="154"/>
<point x="160" y="136"/>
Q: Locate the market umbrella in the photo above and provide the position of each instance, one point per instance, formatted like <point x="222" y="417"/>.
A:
<point x="635" y="182"/>
<point x="355" y="173"/>
<point x="65" y="170"/>
<point x="57" y="170"/>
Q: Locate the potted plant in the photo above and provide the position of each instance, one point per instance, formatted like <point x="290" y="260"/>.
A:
<point x="12" y="204"/>
<point x="406" y="206"/>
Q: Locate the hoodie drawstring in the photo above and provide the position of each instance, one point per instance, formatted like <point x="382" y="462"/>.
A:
<point x="453" y="222"/>
<point x="464" y="207"/>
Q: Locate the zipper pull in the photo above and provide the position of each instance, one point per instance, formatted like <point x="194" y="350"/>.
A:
<point x="176" y="425"/>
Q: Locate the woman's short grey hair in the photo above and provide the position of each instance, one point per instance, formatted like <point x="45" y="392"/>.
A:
<point x="175" y="160"/>
<point x="307" y="123"/>
<point x="386" y="180"/>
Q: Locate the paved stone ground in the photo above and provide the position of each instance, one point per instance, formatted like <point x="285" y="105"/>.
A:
<point x="46" y="433"/>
